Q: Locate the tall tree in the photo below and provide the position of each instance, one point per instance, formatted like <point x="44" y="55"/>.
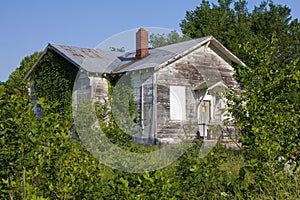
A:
<point x="267" y="40"/>
<point x="16" y="77"/>
<point x="235" y="26"/>
<point x="159" y="40"/>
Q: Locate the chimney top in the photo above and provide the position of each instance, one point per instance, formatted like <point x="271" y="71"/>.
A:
<point x="141" y="43"/>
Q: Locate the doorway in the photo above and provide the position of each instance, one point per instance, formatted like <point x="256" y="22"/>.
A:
<point x="204" y="115"/>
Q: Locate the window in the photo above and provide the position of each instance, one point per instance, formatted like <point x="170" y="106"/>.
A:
<point x="82" y="89"/>
<point x="177" y="103"/>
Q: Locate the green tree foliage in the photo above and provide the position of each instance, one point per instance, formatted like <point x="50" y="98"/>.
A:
<point x="15" y="79"/>
<point x="15" y="120"/>
<point x="159" y="40"/>
<point x="39" y="159"/>
<point x="232" y="24"/>
<point x="122" y="49"/>
<point x="267" y="111"/>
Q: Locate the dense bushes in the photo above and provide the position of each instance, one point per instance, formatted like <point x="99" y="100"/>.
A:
<point x="39" y="160"/>
<point x="48" y="163"/>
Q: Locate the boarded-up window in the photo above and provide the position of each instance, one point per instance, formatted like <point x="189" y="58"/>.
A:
<point x="82" y="89"/>
<point x="177" y="103"/>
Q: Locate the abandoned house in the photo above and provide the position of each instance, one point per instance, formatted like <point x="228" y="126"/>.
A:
<point x="174" y="86"/>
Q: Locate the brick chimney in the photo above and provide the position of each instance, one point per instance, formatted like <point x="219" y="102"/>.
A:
<point x="141" y="44"/>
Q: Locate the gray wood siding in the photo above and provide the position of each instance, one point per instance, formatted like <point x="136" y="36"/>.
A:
<point x="152" y="94"/>
<point x="142" y="82"/>
<point x="201" y="65"/>
<point x="167" y="129"/>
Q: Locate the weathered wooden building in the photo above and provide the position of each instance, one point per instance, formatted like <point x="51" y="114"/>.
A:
<point x="177" y="88"/>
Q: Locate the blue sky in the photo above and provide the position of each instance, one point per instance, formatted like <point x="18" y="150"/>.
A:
<point x="28" y="26"/>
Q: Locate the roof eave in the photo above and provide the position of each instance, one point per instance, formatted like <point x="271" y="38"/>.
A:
<point x="226" y="52"/>
<point x="49" y="46"/>
<point x="64" y="56"/>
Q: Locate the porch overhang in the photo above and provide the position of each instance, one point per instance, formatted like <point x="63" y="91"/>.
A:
<point x="208" y="85"/>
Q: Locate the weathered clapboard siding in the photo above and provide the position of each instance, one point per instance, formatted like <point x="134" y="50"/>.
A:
<point x="81" y="89"/>
<point x="201" y="65"/>
<point x="99" y="89"/>
<point x="90" y="87"/>
<point x="205" y="65"/>
<point x="142" y="83"/>
<point x="173" y="131"/>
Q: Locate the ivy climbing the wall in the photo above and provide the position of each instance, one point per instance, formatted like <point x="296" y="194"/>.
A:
<point x="119" y="106"/>
<point x="54" y="79"/>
